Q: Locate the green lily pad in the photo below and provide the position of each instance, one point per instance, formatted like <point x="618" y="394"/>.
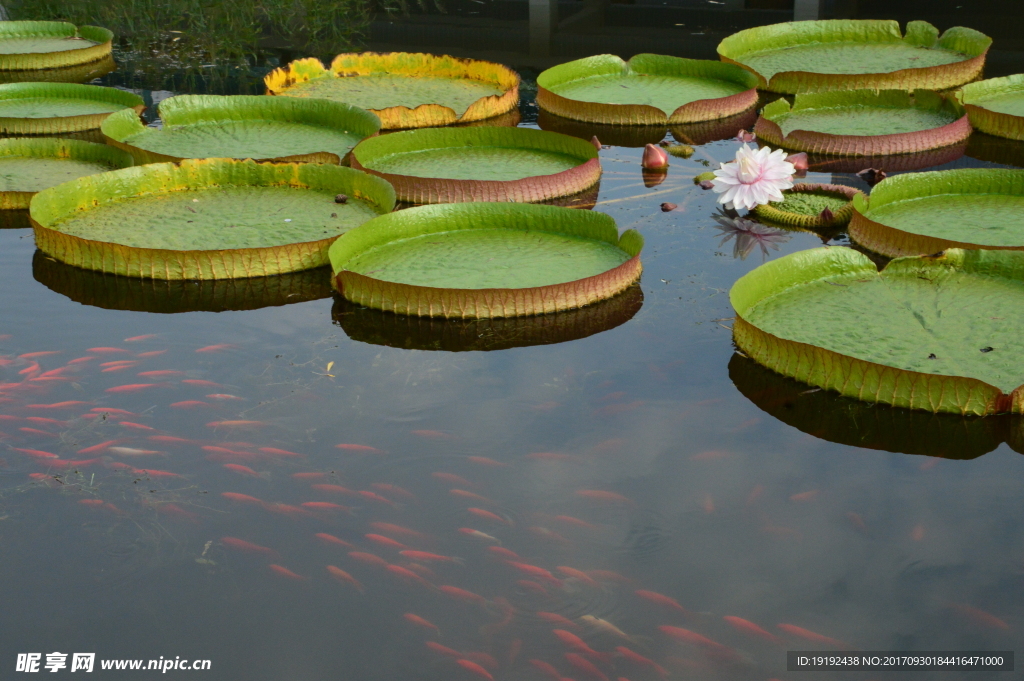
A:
<point x="996" y="106"/>
<point x="78" y="73"/>
<point x="405" y="90"/>
<point x="864" y="123"/>
<point x="649" y="89"/>
<point x="28" y="45"/>
<point x="55" y="108"/>
<point x="450" y="165"/>
<point x="852" y="54"/>
<point x="938" y="333"/>
<point x="163" y="296"/>
<point x="243" y="126"/>
<point x="30" y="165"/>
<point x="921" y="213"/>
<point x="803" y="205"/>
<point x="205" y="219"/>
<point x="485" y="260"/>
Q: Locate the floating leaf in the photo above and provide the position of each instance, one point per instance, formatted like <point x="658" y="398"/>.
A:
<point x="30" y="165"/>
<point x="856" y="54"/>
<point x="804" y="204"/>
<point x="55" y="108"/>
<point x="30" y="45"/>
<point x="996" y="105"/>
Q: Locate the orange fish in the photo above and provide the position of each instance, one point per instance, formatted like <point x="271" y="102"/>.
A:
<point x="660" y="599"/>
<point x="469" y="495"/>
<point x="408" y="575"/>
<point x="393" y="489"/>
<point x="545" y="533"/>
<point x="80" y="360"/>
<point x="576" y="643"/>
<point x="420" y="622"/>
<point x="532" y="587"/>
<point x="189" y="404"/>
<point x="481" y="513"/>
<point x="555" y="618"/>
<point x="224" y="396"/>
<point x="242" y="498"/>
<point x="444" y="650"/>
<point x="151" y="353"/>
<point x="575" y="522"/>
<point x="273" y="451"/>
<point x="746" y="627"/>
<point x="343" y="576"/>
<point x="58" y="405"/>
<point x="485" y="660"/>
<point x="100" y="351"/>
<point x="170" y="439"/>
<point x="397" y="529"/>
<point x="43" y="419"/>
<point x="687" y="636"/>
<point x="422" y="570"/>
<point x="484" y="461"/>
<point x="385" y="541"/>
<point x="244" y="470"/>
<point x="36" y="431"/>
<point x="331" y="539"/>
<point x="245" y="546"/>
<point x="136" y="426"/>
<point x="199" y="382"/>
<point x="44" y="353"/>
<point x="368" y="558"/>
<point x="462" y="594"/>
<point x="538" y="572"/>
<point x="114" y="412"/>
<point x="603" y="496"/>
<point x="425" y="557"/>
<point x="546" y="668"/>
<point x="309" y="476"/>
<point x="373" y="496"/>
<point x="359" y="448"/>
<point x="152" y="473"/>
<point x="452" y="478"/>
<point x="133" y="339"/>
<point x="164" y="373"/>
<point x="333" y="489"/>
<point x="285" y="572"/>
<point x="325" y="506"/>
<point x="637" y="658"/>
<point x="176" y="511"/>
<point x="38" y="453"/>
<point x="808" y="635"/>
<point x="217" y="348"/>
<point x="477" y="534"/>
<point x="120" y="367"/>
<point x="475" y="668"/>
<point x="131" y="388"/>
<point x="287" y="510"/>
<point x="586" y="666"/>
<point x="503" y="553"/>
<point x="578" y="574"/>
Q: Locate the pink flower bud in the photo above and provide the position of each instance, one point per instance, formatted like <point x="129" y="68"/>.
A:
<point x="596" y="142"/>
<point x="744" y="136"/>
<point x="799" y="161"/>
<point x="655" y="158"/>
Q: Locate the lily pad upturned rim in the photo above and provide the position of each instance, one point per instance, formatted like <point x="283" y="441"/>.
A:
<point x="857" y="378"/>
<point x="919" y="33"/>
<point x="56" y="148"/>
<point x="642" y="114"/>
<point x="102" y="37"/>
<point x="973" y="96"/>
<point x="63" y="124"/>
<point x="839" y="218"/>
<point x="892" y="242"/>
<point x="538" y="188"/>
<point x="815" y="142"/>
<point x="414" y="64"/>
<point x="191" y="109"/>
<point x="52" y="204"/>
<point x="428" y="301"/>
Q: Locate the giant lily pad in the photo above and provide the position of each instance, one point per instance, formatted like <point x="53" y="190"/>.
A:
<point x="864" y="123"/>
<point x="172" y="296"/>
<point x="894" y="163"/>
<point x="804" y="207"/>
<point x="921" y="213"/>
<point x="856" y="54"/>
<point x="476" y="260"/>
<point x="649" y="89"/>
<point x="465" y="335"/>
<point x="996" y="106"/>
<point x="205" y="219"/>
<point x="30" y="165"/>
<point x="26" y="45"/>
<point x="450" y="165"/>
<point x="405" y="90"/>
<point x="243" y="126"/>
<point x="79" y="73"/>
<point x="938" y="333"/>
<point x="639" y="136"/>
<point x="56" y="108"/>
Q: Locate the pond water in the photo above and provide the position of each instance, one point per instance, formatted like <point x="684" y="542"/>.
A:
<point x="678" y="482"/>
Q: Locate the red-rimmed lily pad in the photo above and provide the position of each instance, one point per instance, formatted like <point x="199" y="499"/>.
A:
<point x="857" y="54"/>
<point x="864" y="123"/>
<point x="938" y="333"/>
<point x="895" y="163"/>
<point x="805" y="206"/>
<point x="450" y="165"/>
<point x="649" y="89"/>
<point x="922" y="213"/>
<point x="406" y="90"/>
<point x="30" y="45"/>
<point x="205" y="219"/>
<point x="31" y="164"/>
<point x="996" y="106"/>
<point x="263" y="128"/>
<point x="57" y="108"/>
<point x="477" y="260"/>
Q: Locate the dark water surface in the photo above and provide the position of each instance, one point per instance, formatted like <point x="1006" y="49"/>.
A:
<point x="743" y="494"/>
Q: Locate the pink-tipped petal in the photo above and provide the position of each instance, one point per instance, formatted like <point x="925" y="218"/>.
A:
<point x="655" y="158"/>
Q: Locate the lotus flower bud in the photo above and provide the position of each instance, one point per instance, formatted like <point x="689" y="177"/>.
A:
<point x="799" y="161"/>
<point x="744" y="136"/>
<point x="596" y="142"/>
<point x="655" y="158"/>
<point x="826" y="215"/>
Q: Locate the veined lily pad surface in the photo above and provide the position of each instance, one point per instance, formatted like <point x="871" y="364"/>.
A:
<point x="205" y="219"/>
<point x="935" y="333"/>
<point x="450" y="165"/>
<point x="476" y="260"/>
<point x="996" y="106"/>
<point x="406" y="90"/>
<point x="922" y="213"/>
<point x="864" y="123"/>
<point x="649" y="89"/>
<point x="28" y="45"/>
<point x="30" y="165"/>
<point x="244" y="126"/>
<point x="803" y="205"/>
<point x="53" y="108"/>
<point x="852" y="54"/>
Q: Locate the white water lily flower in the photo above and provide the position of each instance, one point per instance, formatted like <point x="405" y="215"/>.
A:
<point x="755" y="178"/>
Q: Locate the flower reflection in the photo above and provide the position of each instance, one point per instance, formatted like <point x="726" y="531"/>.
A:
<point x="748" y="235"/>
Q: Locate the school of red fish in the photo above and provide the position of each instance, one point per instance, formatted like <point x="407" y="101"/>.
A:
<point x="503" y="572"/>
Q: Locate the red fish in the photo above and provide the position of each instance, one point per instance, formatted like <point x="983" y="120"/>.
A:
<point x="217" y="348"/>
<point x="359" y="448"/>
<point x="397" y="529"/>
<point x="224" y="396"/>
<point x="537" y="572"/>
<point x="586" y="666"/>
<point x="747" y="627"/>
<point x="331" y="539"/>
<point x="131" y="388"/>
<point x="136" y="426"/>
<point x="244" y="470"/>
<point x="152" y="473"/>
<point x="485" y="660"/>
<point x="134" y="339"/>
<point x="325" y="506"/>
<point x="385" y="541"/>
<point x="89" y="502"/>
<point x="373" y="496"/>
<point x="119" y="367"/>
<point x="287" y="510"/>
<point x="113" y="412"/>
<point x="285" y="572"/>
<point x="637" y="658"/>
<point x="408" y="575"/>
<point x="426" y="557"/>
<point x="808" y="635"/>
<point x="333" y="489"/>
<point x="164" y="373"/>
<point x="394" y="489"/>
<point x="170" y="439"/>
<point x="469" y="495"/>
<point x="555" y="618"/>
<point x="342" y="576"/>
<point x="189" y="404"/>
<point x="278" y="452"/>
<point x="532" y="587"/>
<point x="481" y="513"/>
<point x="151" y="353"/>
<point x="241" y="498"/>
<point x="58" y="405"/>
<point x="687" y="636"/>
<point x="462" y="594"/>
<point x="246" y="547"/>
<point x="578" y="574"/>
<point x="105" y="351"/>
<point x="476" y="669"/>
<point x="503" y="553"/>
<point x="36" y="431"/>
<point x="604" y="496"/>
<point x="199" y="382"/>
<point x="81" y="360"/>
<point x="420" y="622"/>
<point x="176" y="511"/>
<point x="660" y="599"/>
<point x="477" y="534"/>
<point x="368" y="558"/>
<point x="575" y="522"/>
<point x="44" y="353"/>
<point x="546" y="668"/>
<point x="576" y="643"/>
<point x="452" y="478"/>
<point x="38" y="453"/>
<point x="443" y="650"/>
<point x="43" y="419"/>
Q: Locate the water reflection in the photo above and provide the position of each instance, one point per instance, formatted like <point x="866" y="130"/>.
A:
<point x="831" y="417"/>
<point x="995" y="149"/>
<point x="454" y="335"/>
<point x="642" y="135"/>
<point x="15" y="219"/>
<point x="80" y="73"/>
<point x="897" y="163"/>
<point x="747" y="235"/>
<point x="113" y="292"/>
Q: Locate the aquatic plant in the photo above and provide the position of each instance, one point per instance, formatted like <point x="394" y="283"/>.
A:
<point x="753" y="178"/>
